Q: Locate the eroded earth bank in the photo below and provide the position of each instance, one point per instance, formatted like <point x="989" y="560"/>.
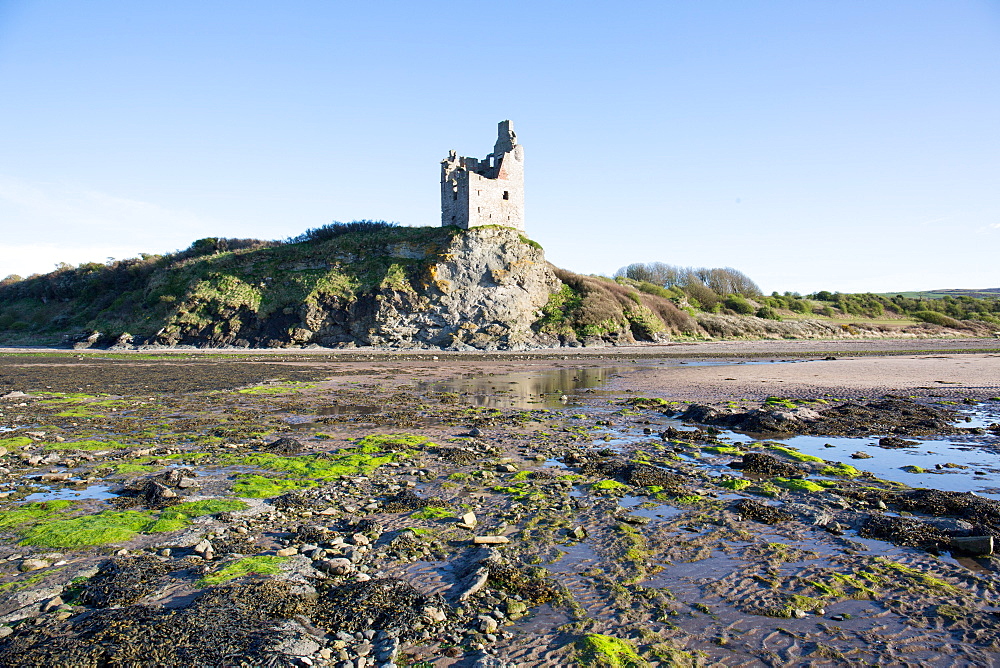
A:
<point x="456" y="510"/>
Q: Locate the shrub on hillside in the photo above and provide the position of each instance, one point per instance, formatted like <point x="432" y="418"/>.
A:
<point x="936" y="318"/>
<point x="738" y="304"/>
<point x="767" y="313"/>
<point x="336" y="229"/>
<point x="591" y="306"/>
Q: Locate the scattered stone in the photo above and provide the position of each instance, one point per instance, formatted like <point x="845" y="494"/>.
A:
<point x="33" y="565"/>
<point x="491" y="540"/>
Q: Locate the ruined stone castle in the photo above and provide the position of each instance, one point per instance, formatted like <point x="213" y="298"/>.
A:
<point x="485" y="192"/>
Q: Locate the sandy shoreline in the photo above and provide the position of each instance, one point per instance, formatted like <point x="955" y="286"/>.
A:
<point x="975" y="376"/>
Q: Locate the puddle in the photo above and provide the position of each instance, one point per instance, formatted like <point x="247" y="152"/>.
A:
<point x="981" y="475"/>
<point x="658" y="511"/>
<point x="578" y="557"/>
<point x="887" y="464"/>
<point x="982" y="418"/>
<point x="525" y="390"/>
<point x="66" y="493"/>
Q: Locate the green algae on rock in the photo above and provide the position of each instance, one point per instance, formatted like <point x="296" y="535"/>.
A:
<point x="604" y="651"/>
<point x="260" y="565"/>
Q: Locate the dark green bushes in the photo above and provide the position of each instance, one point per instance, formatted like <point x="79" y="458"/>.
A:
<point x="740" y="305"/>
<point x="767" y="313"/>
<point x="936" y="318"/>
<point x="336" y="229"/>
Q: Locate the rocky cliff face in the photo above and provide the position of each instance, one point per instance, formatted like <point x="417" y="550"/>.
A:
<point x="476" y="289"/>
<point x="483" y="290"/>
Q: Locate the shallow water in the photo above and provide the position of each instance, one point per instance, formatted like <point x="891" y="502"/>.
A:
<point x="981" y="476"/>
<point x="659" y="511"/>
<point x="68" y="493"/>
<point x="527" y="389"/>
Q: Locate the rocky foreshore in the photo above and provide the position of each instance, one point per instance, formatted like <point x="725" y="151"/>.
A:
<point x="233" y="512"/>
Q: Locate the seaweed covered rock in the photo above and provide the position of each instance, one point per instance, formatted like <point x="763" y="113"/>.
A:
<point x="637" y="474"/>
<point x="149" y="493"/>
<point x="405" y="501"/>
<point x="890" y="415"/>
<point x="124" y="580"/>
<point x="387" y="604"/>
<point x="760" y="421"/>
<point x="761" y="463"/>
<point x="935" y="502"/>
<point x="905" y="531"/>
<point x="284" y="446"/>
<point x="760" y="512"/>
<point x="248" y="624"/>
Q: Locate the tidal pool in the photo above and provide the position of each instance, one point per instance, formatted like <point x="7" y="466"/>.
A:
<point x="68" y="493"/>
<point x="525" y="389"/>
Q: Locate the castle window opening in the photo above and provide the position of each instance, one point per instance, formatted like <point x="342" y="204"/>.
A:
<point x="506" y="194"/>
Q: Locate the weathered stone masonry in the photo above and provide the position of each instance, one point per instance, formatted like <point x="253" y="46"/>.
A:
<point x="485" y="192"/>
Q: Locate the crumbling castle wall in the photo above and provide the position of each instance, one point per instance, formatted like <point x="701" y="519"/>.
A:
<point x="490" y="191"/>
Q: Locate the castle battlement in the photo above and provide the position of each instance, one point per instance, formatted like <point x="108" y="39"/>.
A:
<point x="485" y="192"/>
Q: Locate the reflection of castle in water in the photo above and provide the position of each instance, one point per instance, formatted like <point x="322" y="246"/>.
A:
<point x="527" y="389"/>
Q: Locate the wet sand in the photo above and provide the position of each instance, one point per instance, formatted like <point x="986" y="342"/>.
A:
<point x="969" y="375"/>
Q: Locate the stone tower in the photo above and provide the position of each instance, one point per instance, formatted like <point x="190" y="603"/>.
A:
<point x="485" y="192"/>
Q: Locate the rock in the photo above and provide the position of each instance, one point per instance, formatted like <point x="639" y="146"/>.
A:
<point x="491" y="540"/>
<point x="798" y="614"/>
<point x="5" y="631"/>
<point x="287" y="552"/>
<point x="893" y="442"/>
<point x="434" y="615"/>
<point x="468" y="521"/>
<point x="516" y="609"/>
<point x="977" y="545"/>
<point x="15" y="395"/>
<point x="578" y="532"/>
<point x="284" y="446"/>
<point x="52" y="604"/>
<point x="338" y="566"/>
<point x="760" y="463"/>
<point x="33" y="565"/>
<point x="487" y="624"/>
<point x="473" y="584"/>
<point x="860" y="455"/>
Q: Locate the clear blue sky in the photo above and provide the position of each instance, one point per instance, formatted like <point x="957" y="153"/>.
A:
<point x="849" y="145"/>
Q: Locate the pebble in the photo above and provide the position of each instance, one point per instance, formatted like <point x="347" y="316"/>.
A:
<point x="287" y="552"/>
<point x="491" y="540"/>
